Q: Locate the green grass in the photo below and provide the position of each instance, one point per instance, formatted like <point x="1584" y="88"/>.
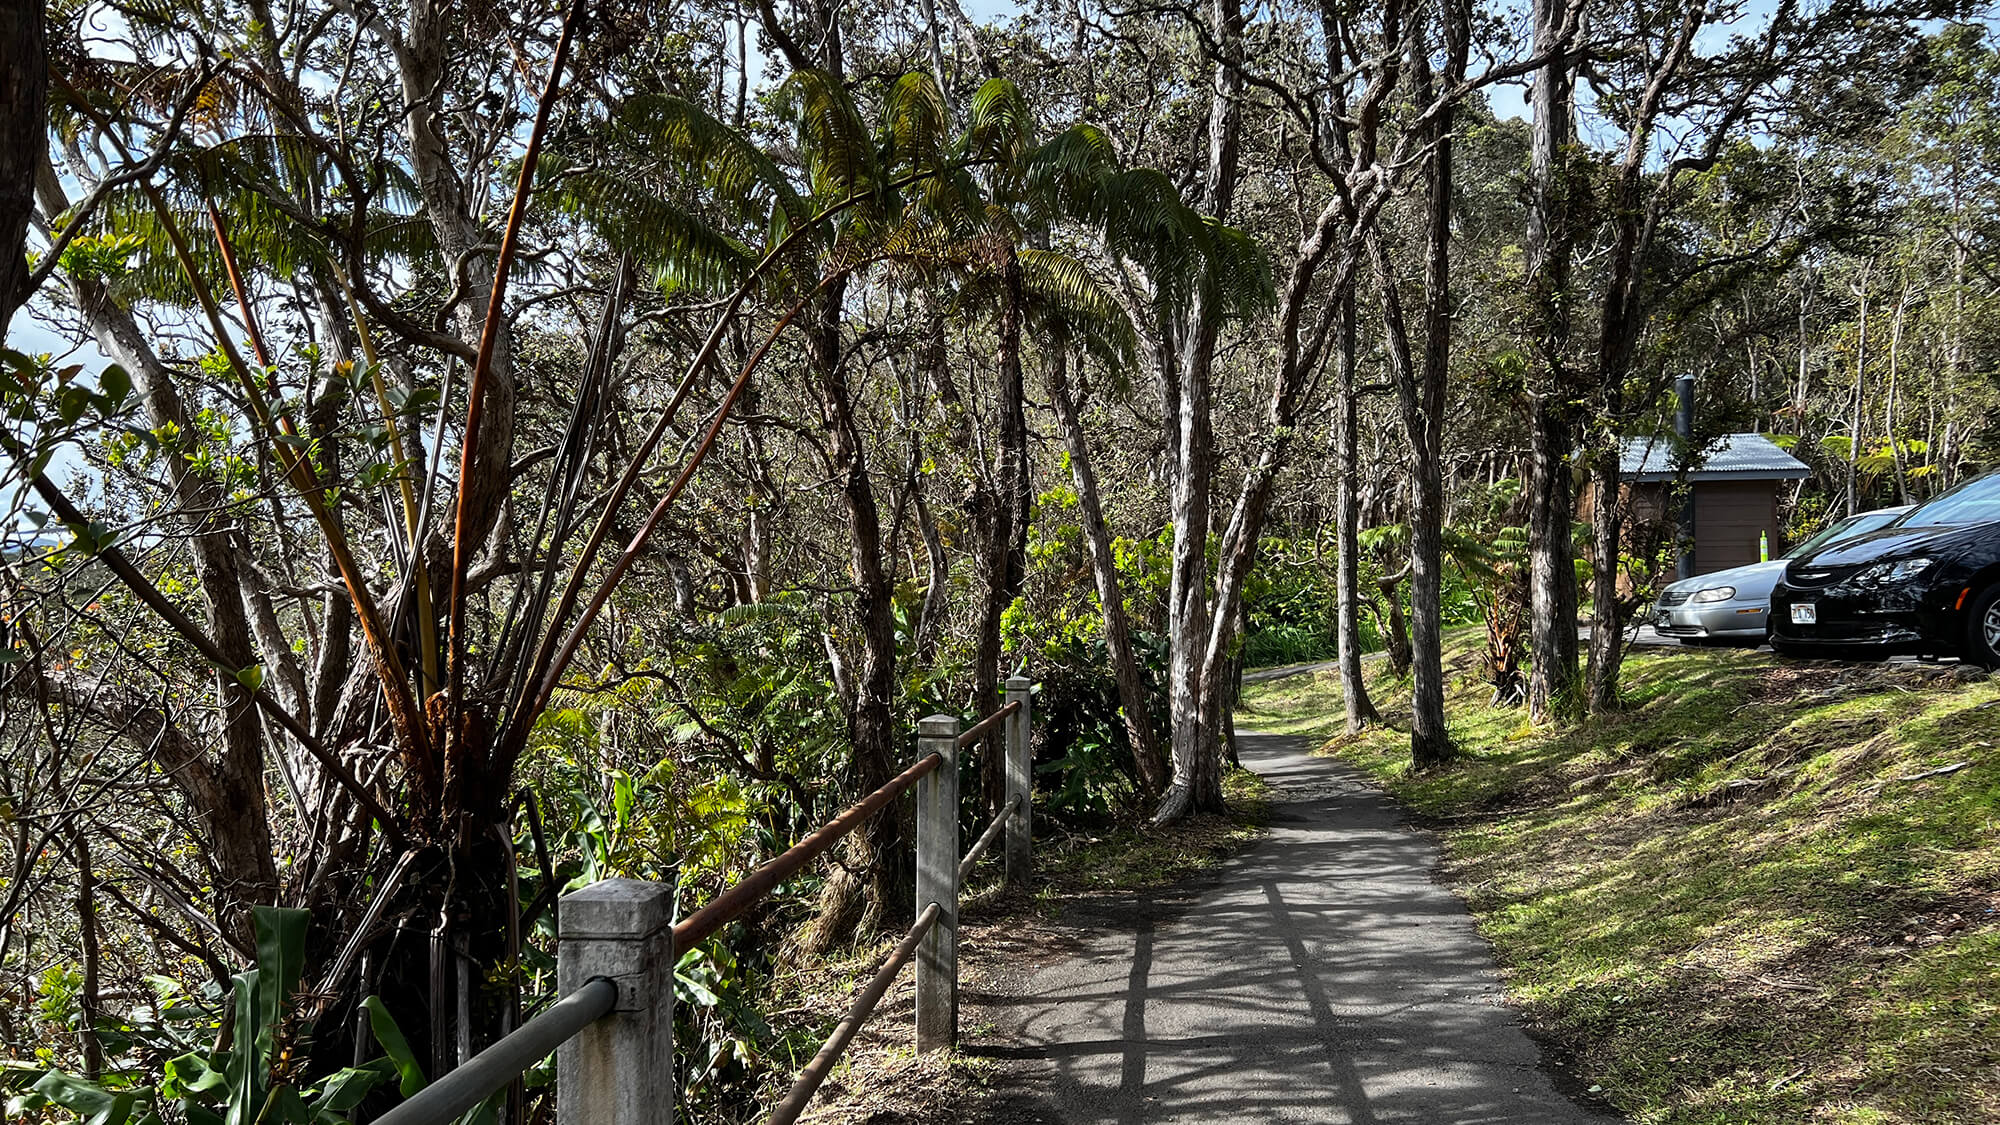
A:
<point x="1736" y="901"/>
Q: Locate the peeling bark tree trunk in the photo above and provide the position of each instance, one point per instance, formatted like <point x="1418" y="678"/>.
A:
<point x="1420" y="392"/>
<point x="1197" y="778"/>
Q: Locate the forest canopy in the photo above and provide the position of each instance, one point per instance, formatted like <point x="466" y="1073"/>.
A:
<point x="455" y="453"/>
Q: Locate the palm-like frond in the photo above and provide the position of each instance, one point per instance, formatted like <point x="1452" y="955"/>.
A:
<point x="1066" y="295"/>
<point x="730" y="163"/>
<point x="839" y="149"/>
<point x="681" y="249"/>
<point x="916" y="126"/>
<point x="1239" y="272"/>
<point x="999" y="127"/>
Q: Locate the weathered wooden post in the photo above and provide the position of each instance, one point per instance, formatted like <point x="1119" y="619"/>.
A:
<point x="937" y="881"/>
<point x="1020" y="784"/>
<point x="620" y="1069"/>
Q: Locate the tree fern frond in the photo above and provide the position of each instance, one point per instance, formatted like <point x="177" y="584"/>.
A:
<point x="729" y="162"/>
<point x="681" y="249"/>
<point x="838" y="149"/>
<point x="1067" y="293"/>
<point x="915" y="124"/>
<point x="999" y="126"/>
<point x="1239" y="272"/>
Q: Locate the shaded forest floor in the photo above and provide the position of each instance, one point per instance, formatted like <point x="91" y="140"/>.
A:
<point x="882" y="1080"/>
<point x="1767" y="892"/>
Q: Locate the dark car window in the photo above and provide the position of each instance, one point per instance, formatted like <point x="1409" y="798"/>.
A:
<point x="1975" y="501"/>
<point x="1846" y="529"/>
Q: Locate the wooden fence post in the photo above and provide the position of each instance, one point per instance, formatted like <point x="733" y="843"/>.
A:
<point x="619" y="1070"/>
<point x="937" y="881"/>
<point x="1020" y="784"/>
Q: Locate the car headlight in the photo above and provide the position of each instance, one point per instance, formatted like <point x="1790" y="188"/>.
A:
<point x="1891" y="573"/>
<point x="1715" y="594"/>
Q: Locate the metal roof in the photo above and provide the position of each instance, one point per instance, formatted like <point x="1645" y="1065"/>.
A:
<point x="1734" y="457"/>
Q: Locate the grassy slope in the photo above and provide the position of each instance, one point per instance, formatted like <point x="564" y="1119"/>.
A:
<point x="1737" y="902"/>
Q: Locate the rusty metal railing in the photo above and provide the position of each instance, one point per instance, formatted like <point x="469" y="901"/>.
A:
<point x="613" y="1029"/>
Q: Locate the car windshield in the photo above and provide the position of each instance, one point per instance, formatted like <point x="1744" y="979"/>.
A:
<point x="1846" y="529"/>
<point x="1975" y="501"/>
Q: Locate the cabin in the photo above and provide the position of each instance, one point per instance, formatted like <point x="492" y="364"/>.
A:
<point x="1733" y="492"/>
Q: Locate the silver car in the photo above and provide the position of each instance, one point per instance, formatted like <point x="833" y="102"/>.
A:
<point x="1734" y="606"/>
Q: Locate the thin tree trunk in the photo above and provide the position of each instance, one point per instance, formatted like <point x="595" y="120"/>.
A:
<point x="1855" y="428"/>
<point x="880" y="851"/>
<point x="1133" y="699"/>
<point x="24" y="76"/>
<point x="86" y="923"/>
<point x="1197" y="781"/>
<point x="1005" y="523"/>
<point x="1347" y="531"/>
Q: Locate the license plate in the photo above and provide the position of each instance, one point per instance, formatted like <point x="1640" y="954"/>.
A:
<point x="1805" y="613"/>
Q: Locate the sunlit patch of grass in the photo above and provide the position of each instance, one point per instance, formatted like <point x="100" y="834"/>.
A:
<point x="1746" y="898"/>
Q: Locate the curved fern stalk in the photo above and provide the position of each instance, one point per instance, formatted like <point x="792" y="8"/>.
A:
<point x="482" y="367"/>
<point x="574" y="637"/>
<point x="299" y="471"/>
<point x="533" y="691"/>
<point x="420" y="575"/>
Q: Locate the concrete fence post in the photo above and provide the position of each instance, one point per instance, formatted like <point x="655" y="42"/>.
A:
<point x="937" y="881"/>
<point x="619" y="1070"/>
<point x="1020" y="784"/>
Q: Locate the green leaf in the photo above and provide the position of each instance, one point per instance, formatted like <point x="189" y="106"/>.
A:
<point x="89" y="1101"/>
<point x="395" y="1046"/>
<point x="115" y="382"/>
<point x="345" y="1089"/>
<point x="281" y="931"/>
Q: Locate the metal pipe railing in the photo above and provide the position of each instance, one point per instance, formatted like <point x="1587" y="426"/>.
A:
<point x="808" y="1081"/>
<point x="759" y="883"/>
<point x="978" y="730"/>
<point x="489" y="1071"/>
<point x="615" y="1058"/>
<point x="986" y="839"/>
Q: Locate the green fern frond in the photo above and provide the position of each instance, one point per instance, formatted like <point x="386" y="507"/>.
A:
<point x="999" y="127"/>
<point x="838" y="149"/>
<point x="915" y="124"/>
<point x="738" y="170"/>
<point x="1065" y="292"/>
<point x="681" y="249"/>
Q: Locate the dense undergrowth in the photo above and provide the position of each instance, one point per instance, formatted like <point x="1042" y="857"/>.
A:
<point x="1768" y="891"/>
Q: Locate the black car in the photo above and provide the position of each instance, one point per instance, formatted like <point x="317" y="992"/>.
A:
<point x="1928" y="584"/>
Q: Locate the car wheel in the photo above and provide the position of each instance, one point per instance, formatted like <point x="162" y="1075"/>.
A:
<point x="1982" y="629"/>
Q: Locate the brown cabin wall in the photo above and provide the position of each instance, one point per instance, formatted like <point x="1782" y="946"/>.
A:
<point x="1728" y="517"/>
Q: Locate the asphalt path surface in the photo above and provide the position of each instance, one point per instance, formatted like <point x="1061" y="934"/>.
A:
<point x="1322" y="976"/>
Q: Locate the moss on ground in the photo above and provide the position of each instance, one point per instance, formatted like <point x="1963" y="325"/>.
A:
<point x="1768" y="891"/>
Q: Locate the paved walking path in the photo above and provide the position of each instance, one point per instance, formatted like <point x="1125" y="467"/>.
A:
<point x="1322" y="977"/>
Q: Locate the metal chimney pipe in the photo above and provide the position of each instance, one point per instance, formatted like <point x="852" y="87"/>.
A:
<point x="1684" y="427"/>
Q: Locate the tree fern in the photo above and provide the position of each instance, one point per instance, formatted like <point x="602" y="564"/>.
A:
<point x="680" y="248"/>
